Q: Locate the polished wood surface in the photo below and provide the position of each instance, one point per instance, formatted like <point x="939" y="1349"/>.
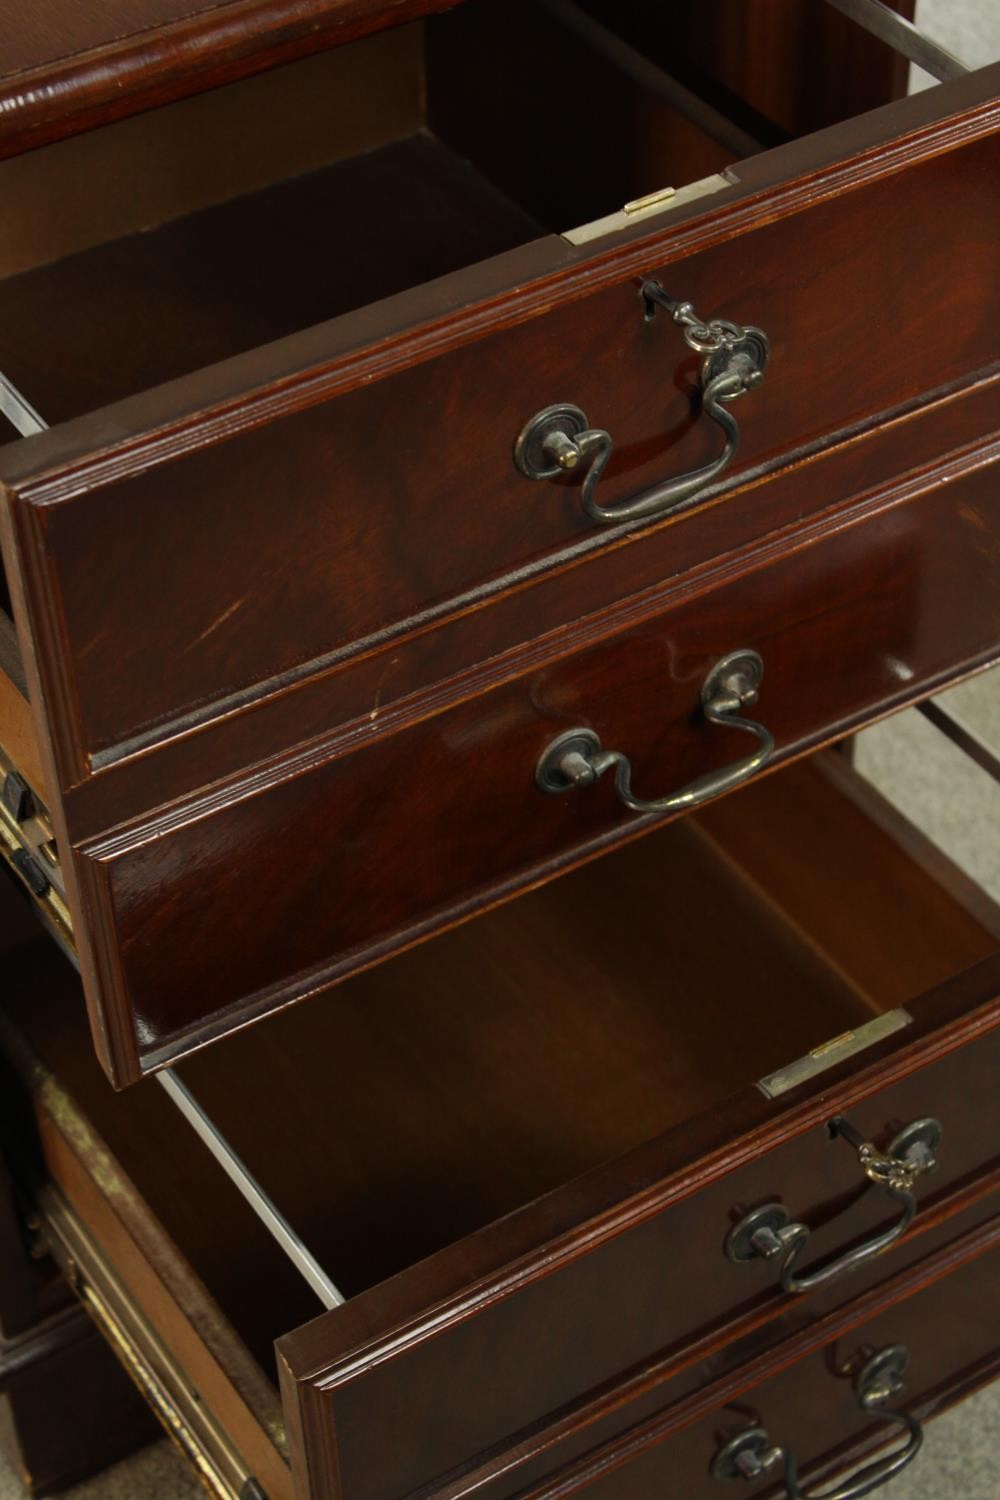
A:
<point x="400" y="681"/>
<point x="372" y="847"/>
<point x="136" y="175"/>
<point x="246" y="271"/>
<point x="604" y="1286"/>
<point x="171" y="496"/>
<point x="642" y="1272"/>
<point x="552" y="998"/>
<point x="944" y="1313"/>
<point x="446" y="520"/>
<point x="69" y="68"/>
<point x="284" y="634"/>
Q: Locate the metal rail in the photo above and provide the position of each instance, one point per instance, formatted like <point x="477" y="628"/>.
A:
<point x="272" y="1218"/>
<point x="18" y="410"/>
<point x="962" y="735"/>
<point x="903" y="37"/>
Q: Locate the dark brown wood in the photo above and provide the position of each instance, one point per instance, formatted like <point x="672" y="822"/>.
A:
<point x="822" y="880"/>
<point x="188" y="156"/>
<point x="599" y="140"/>
<point x="625" y="1262"/>
<point x="245" y="272"/>
<point x="340" y="574"/>
<point x="692" y="1232"/>
<point x="947" y="1324"/>
<point x="559" y="994"/>
<point x="111" y="680"/>
<point x="401" y="681"/>
<point x="680" y="1378"/>
<point x="414" y="831"/>
<point x="68" y="1410"/>
<point x="283" y="635"/>
<point x="635" y="1272"/>
<point x="740" y="55"/>
<point x="69" y="68"/>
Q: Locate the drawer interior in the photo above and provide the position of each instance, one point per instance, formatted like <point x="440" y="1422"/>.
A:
<point x="155" y="246"/>
<point x="452" y="1085"/>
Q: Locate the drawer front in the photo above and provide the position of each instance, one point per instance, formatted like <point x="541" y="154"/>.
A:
<point x="210" y="543"/>
<point x="288" y="880"/>
<point x="642" y="1292"/>
<point x="944" y="1337"/>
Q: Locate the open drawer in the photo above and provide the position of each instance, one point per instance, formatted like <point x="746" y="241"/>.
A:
<point x="607" y="1137"/>
<point x="288" y="334"/>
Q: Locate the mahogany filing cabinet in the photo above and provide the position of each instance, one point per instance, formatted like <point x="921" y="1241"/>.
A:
<point x="467" y="470"/>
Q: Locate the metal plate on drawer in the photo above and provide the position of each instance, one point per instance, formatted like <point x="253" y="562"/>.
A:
<point x="835" y="1051"/>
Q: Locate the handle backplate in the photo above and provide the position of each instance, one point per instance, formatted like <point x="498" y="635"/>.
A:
<point x="751" y="1455"/>
<point x="769" y="1232"/>
<point x="576" y="758"/>
<point x="560" y="440"/>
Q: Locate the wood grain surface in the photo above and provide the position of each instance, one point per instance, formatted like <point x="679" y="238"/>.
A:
<point x="619" y="1274"/>
<point x="370" y="851"/>
<point x="69" y="68"/>
<point x="191" y="567"/>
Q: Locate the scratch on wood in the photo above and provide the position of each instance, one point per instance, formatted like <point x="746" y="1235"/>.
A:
<point x="378" y="690"/>
<point x="220" y="620"/>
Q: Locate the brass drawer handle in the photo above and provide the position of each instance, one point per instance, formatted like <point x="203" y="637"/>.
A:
<point x="559" y="439"/>
<point x="575" y="759"/>
<point x="769" y="1232"/>
<point x="751" y="1454"/>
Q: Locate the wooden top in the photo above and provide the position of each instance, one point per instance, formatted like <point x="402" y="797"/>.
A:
<point x="66" y="67"/>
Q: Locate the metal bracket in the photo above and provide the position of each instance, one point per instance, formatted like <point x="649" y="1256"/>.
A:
<point x="835" y="1051"/>
<point x="28" y="849"/>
